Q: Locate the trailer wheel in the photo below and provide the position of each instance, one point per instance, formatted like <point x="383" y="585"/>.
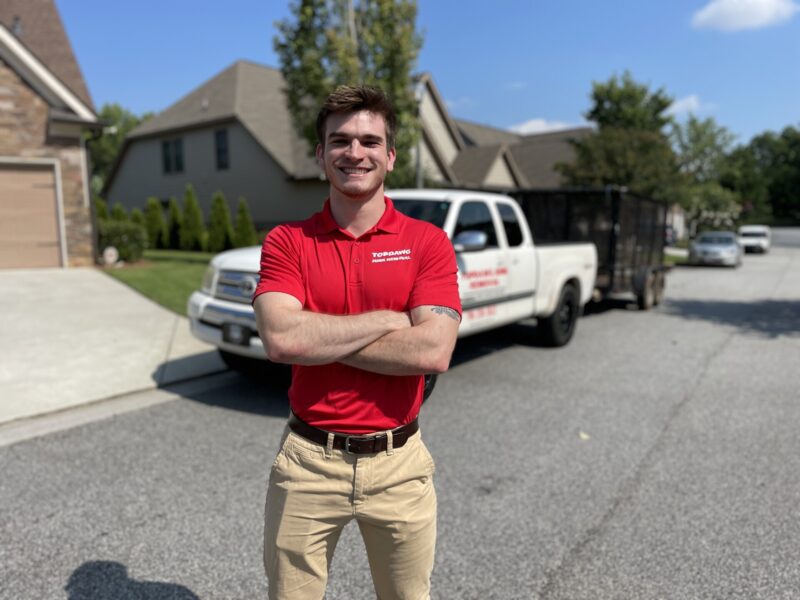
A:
<point x="646" y="297"/>
<point x="557" y="329"/>
<point x="660" y="285"/>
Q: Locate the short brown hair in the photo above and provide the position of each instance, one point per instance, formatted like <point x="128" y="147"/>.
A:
<point x="350" y="99"/>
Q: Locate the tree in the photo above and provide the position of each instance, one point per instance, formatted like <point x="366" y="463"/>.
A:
<point x="630" y="147"/>
<point x="103" y="150"/>
<point x="622" y="103"/>
<point x="118" y="213"/>
<point x="174" y="225"/>
<point x="156" y="227"/>
<point x="192" y="231"/>
<point x="220" y="230"/>
<point x="333" y="42"/>
<point x="100" y="208"/>
<point x="702" y="147"/>
<point x="244" y="232"/>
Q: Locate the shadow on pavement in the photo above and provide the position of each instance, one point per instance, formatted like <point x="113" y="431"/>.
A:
<point x="263" y="394"/>
<point x="108" y="580"/>
<point x="767" y="318"/>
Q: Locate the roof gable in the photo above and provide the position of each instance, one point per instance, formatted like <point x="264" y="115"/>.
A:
<point x="251" y="93"/>
<point x="38" y="26"/>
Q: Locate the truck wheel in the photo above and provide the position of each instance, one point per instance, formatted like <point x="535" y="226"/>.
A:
<point x="261" y="371"/>
<point x="557" y="329"/>
<point x="660" y="285"/>
<point x="647" y="296"/>
<point x="430" y="383"/>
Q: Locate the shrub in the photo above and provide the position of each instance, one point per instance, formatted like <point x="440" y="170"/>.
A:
<point x="128" y="238"/>
<point x="155" y="225"/>
<point x="137" y="217"/>
<point x="220" y="230"/>
<point x="245" y="232"/>
<point x="118" y="213"/>
<point x="100" y="208"/>
<point x="192" y="230"/>
<point x="174" y="224"/>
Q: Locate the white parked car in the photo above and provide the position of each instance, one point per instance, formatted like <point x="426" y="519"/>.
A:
<point x="716" y="248"/>
<point x="755" y="238"/>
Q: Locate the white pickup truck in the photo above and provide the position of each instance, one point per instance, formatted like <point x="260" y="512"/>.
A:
<point x="502" y="276"/>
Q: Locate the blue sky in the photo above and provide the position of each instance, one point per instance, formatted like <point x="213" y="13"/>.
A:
<point x="506" y="63"/>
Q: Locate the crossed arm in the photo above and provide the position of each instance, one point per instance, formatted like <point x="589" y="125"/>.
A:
<point x="383" y="341"/>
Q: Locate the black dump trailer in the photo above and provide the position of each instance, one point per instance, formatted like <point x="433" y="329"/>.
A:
<point x="627" y="230"/>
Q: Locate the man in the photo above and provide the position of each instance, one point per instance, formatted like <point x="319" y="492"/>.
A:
<point x="362" y="301"/>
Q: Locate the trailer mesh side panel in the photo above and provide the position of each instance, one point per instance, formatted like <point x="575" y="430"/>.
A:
<point x="627" y="231"/>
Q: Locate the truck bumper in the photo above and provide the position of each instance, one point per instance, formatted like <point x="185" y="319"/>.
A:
<point x="212" y="320"/>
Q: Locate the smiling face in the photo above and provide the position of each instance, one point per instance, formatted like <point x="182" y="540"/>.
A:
<point x="355" y="157"/>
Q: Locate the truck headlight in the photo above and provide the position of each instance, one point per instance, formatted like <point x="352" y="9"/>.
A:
<point x="208" y="280"/>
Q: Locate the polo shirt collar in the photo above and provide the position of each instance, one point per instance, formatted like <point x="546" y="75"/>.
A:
<point x="388" y="223"/>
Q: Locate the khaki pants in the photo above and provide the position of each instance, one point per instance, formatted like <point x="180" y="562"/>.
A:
<point x="314" y="492"/>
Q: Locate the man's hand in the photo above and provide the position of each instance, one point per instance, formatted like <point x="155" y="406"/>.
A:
<point x="296" y="336"/>
<point x="426" y="347"/>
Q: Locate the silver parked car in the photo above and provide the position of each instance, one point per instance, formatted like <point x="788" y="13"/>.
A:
<point x="716" y="248"/>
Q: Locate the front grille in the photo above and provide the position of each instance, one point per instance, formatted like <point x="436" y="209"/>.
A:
<point x="236" y="286"/>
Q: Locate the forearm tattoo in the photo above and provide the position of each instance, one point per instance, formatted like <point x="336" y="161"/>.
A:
<point x="443" y="310"/>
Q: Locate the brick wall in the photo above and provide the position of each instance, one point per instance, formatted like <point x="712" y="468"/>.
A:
<point x="23" y="134"/>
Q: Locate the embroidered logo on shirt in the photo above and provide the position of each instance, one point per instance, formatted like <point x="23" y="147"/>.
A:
<point x="391" y="255"/>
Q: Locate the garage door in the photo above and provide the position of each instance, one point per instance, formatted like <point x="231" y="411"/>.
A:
<point x="29" y="233"/>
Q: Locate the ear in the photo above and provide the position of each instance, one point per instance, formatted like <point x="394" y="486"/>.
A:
<point x="320" y="152"/>
<point x="390" y="163"/>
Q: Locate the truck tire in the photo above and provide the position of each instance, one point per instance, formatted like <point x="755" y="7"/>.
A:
<point x="430" y="383"/>
<point x="557" y="329"/>
<point x="660" y="285"/>
<point x="647" y="295"/>
<point x="260" y="371"/>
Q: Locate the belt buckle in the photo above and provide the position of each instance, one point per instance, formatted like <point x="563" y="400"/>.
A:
<point x="359" y="437"/>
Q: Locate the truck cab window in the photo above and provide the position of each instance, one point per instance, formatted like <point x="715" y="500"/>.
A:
<point x="475" y="216"/>
<point x="511" y="225"/>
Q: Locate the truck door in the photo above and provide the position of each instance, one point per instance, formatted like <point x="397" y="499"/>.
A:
<point x="482" y="274"/>
<point x="521" y="255"/>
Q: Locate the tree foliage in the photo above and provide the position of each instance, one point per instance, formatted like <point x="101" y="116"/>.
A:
<point x="622" y="103"/>
<point x="155" y="225"/>
<point x="333" y="42"/>
<point x="174" y="225"/>
<point x="100" y="208"/>
<point x="244" y="233"/>
<point x="192" y="231"/>
<point x="220" y="230"/>
<point x="118" y="213"/>
<point x="103" y="150"/>
<point x="629" y="147"/>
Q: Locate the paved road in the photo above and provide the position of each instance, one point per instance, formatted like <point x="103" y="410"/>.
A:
<point x="656" y="457"/>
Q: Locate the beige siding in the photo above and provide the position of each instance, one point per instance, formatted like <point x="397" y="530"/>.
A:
<point x="252" y="174"/>
<point x="499" y="174"/>
<point x="437" y="128"/>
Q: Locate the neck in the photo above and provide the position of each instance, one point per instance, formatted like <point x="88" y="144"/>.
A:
<point x="357" y="215"/>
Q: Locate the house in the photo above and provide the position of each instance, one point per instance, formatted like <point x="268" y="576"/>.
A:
<point x="234" y="133"/>
<point x="45" y="215"/>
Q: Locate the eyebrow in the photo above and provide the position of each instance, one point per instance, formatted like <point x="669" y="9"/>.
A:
<point x="333" y="135"/>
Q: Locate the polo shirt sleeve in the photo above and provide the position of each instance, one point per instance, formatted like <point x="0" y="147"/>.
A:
<point x="437" y="280"/>
<point x="280" y="265"/>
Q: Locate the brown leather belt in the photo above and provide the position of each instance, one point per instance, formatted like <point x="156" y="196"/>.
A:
<point x="354" y="444"/>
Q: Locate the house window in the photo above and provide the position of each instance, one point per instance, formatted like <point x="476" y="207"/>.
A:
<point x="221" y="149"/>
<point x="172" y="155"/>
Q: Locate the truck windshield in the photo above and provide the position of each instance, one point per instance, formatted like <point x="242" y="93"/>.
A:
<point x="431" y="211"/>
<point x="754" y="234"/>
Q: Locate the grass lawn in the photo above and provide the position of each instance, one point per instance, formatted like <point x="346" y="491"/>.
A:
<point x="671" y="260"/>
<point x="167" y="277"/>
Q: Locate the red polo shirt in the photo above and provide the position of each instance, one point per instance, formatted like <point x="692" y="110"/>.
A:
<point x="399" y="264"/>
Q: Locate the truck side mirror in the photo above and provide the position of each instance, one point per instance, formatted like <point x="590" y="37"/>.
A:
<point x="470" y="241"/>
